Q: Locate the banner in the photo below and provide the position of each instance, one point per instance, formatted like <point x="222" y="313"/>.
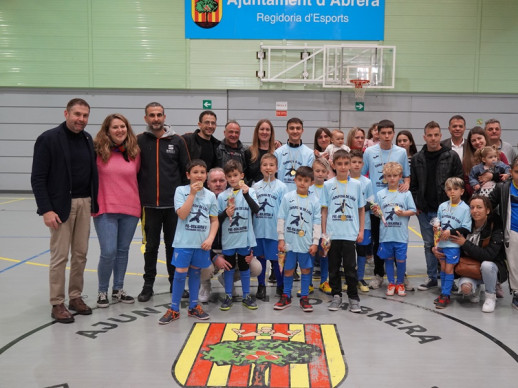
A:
<point x="285" y="19"/>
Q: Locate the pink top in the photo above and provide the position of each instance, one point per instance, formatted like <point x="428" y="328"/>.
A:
<point x="118" y="187"/>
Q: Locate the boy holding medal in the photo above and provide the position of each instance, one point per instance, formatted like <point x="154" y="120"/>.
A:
<point x="298" y="227"/>
<point x="343" y="218"/>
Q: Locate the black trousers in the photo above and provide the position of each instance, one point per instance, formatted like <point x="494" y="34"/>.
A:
<point x="342" y="252"/>
<point x="379" y="265"/>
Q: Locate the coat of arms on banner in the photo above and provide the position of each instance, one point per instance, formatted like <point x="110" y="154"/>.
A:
<point x="206" y="13"/>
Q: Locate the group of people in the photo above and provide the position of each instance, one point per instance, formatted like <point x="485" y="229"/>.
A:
<point x="339" y="203"/>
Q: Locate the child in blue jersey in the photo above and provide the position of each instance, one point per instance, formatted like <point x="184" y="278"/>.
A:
<point x="197" y="226"/>
<point x="362" y="247"/>
<point x="269" y="192"/>
<point x="293" y="154"/>
<point x="343" y="219"/>
<point x="298" y="227"/>
<point x="455" y="218"/>
<point x="397" y="208"/>
<point x="236" y="205"/>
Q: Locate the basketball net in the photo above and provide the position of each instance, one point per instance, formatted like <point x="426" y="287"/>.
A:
<point x="359" y="90"/>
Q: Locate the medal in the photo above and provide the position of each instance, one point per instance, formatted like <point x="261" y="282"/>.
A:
<point x="293" y="172"/>
<point x="343" y="217"/>
<point x="384" y="181"/>
<point x="301" y="233"/>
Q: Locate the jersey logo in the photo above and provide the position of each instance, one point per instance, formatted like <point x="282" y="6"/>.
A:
<point x="196" y="216"/>
<point x="296" y="220"/>
<point x="235" y="219"/>
<point x="263" y="205"/>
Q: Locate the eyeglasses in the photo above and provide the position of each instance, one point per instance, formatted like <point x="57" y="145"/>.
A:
<point x="209" y="123"/>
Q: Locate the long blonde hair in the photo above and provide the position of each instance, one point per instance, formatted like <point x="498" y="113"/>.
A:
<point x="254" y="148"/>
<point x="103" y="143"/>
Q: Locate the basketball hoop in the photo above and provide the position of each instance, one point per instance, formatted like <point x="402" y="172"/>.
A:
<point x="359" y="90"/>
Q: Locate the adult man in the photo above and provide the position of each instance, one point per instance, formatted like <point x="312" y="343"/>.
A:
<point x="164" y="157"/>
<point x="494" y="133"/>
<point x="457" y="127"/>
<point x="201" y="143"/>
<point x="231" y="147"/>
<point x="430" y="168"/>
<point x="375" y="158"/>
<point x="65" y="182"/>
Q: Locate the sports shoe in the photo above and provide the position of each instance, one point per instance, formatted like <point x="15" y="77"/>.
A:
<point x="443" y="302"/>
<point x="198" y="312"/>
<point x="284" y="302"/>
<point x="408" y="285"/>
<point x="227" y="303"/>
<point x="391" y="289"/>
<point x="205" y="290"/>
<point x="514" y="303"/>
<point x="145" y="294"/>
<point x="354" y="306"/>
<point x="311" y="290"/>
<point x="430" y="283"/>
<point x="335" y="304"/>
<point x="436" y="300"/>
<point x="249" y="303"/>
<point x="325" y="288"/>
<point x="261" y="292"/>
<point x="489" y="303"/>
<point x="376" y="282"/>
<point x="121" y="296"/>
<point x="363" y="286"/>
<point x="169" y="316"/>
<point x="499" y="290"/>
<point x="304" y="304"/>
<point x="400" y="289"/>
<point x="102" y="300"/>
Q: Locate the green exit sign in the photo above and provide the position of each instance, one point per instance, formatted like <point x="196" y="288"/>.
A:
<point x="359" y="106"/>
<point x="207" y="104"/>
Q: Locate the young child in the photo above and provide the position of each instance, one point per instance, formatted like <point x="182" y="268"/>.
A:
<point x="373" y="137"/>
<point x="269" y="192"/>
<point x="343" y="218"/>
<point x="397" y="208"/>
<point x="298" y="227"/>
<point x="362" y="246"/>
<point x="488" y="157"/>
<point x="337" y="143"/>
<point x="236" y="205"/>
<point x="455" y="218"/>
<point x="197" y="226"/>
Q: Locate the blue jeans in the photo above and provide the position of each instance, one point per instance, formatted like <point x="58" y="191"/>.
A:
<point x="115" y="232"/>
<point x="427" y="233"/>
<point x="489" y="272"/>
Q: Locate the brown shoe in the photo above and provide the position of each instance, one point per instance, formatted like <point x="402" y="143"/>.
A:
<point x="61" y="314"/>
<point x="77" y="304"/>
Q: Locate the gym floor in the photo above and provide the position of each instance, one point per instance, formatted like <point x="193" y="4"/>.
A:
<point x="394" y="342"/>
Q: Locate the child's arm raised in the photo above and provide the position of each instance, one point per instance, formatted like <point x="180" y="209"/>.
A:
<point x="185" y="209"/>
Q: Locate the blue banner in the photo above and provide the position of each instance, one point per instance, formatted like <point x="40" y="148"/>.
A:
<point x="285" y="19"/>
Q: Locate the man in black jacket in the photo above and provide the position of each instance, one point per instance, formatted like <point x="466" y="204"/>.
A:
<point x="65" y="182"/>
<point x="231" y="147"/>
<point x="201" y="143"/>
<point x="164" y="157"/>
<point x="429" y="170"/>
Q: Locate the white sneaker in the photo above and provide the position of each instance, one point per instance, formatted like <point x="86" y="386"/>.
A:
<point x="489" y="304"/>
<point x="335" y="304"/>
<point x="205" y="290"/>
<point x="376" y="282"/>
<point x="475" y="296"/>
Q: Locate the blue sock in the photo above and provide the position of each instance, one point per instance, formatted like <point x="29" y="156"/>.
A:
<point x="401" y="269"/>
<point x="262" y="276"/>
<point x="305" y="281"/>
<point x="288" y="285"/>
<point x="448" y="283"/>
<point x="361" y="260"/>
<point x="443" y="280"/>
<point x="194" y="286"/>
<point x="229" y="281"/>
<point x="389" y="269"/>
<point x="178" y="287"/>
<point x="278" y="274"/>
<point x="245" y="282"/>
<point x="324" y="269"/>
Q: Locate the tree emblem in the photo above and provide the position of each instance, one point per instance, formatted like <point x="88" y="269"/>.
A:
<point x="205" y="8"/>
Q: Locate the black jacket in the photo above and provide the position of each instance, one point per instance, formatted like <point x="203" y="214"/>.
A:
<point x="448" y="165"/>
<point x="499" y="198"/>
<point x="51" y="176"/>
<point x="224" y="153"/>
<point x="194" y="147"/>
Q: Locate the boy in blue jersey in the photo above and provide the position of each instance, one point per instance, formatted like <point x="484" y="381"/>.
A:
<point x="293" y="154"/>
<point x="298" y="227"/>
<point x="397" y="208"/>
<point x="236" y="205"/>
<point x="269" y="192"/>
<point x="197" y="211"/>
<point x="343" y="218"/>
<point x="363" y="246"/>
<point x="455" y="218"/>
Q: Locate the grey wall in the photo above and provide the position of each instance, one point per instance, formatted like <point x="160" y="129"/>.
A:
<point x="25" y="113"/>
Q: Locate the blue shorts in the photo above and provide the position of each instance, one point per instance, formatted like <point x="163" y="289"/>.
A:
<point x="305" y="260"/>
<point x="389" y="250"/>
<point x="366" y="237"/>
<point x="266" y="248"/>
<point x="239" y="251"/>
<point x="452" y="255"/>
<point x="185" y="257"/>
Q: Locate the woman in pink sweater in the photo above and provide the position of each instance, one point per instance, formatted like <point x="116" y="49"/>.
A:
<point x="118" y="162"/>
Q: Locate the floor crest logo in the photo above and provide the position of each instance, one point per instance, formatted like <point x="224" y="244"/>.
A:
<point x="261" y="355"/>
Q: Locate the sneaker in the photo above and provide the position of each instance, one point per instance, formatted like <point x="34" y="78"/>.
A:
<point x="304" y="304"/>
<point x="335" y="304"/>
<point x="198" y="312"/>
<point x="354" y="306"/>
<point x="227" y="303"/>
<point x="296" y="276"/>
<point x="325" y="288"/>
<point x="249" y="303"/>
<point x="261" y="292"/>
<point x="169" y="316"/>
<point x="436" y="300"/>
<point x="400" y="289"/>
<point x="272" y="279"/>
<point x="499" y="290"/>
<point x="514" y="303"/>
<point x="145" y="294"/>
<point x="489" y="303"/>
<point x="408" y="285"/>
<point x="391" y="289"/>
<point x="363" y="286"/>
<point x="102" y="300"/>
<point x="284" y="302"/>
<point x="279" y="291"/>
<point x="311" y="290"/>
<point x="205" y="290"/>
<point x="376" y="282"/>
<point x="443" y="302"/>
<point x="121" y="296"/>
<point x="430" y="283"/>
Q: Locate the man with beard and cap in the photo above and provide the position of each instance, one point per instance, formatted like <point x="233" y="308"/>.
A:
<point x="164" y="157"/>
